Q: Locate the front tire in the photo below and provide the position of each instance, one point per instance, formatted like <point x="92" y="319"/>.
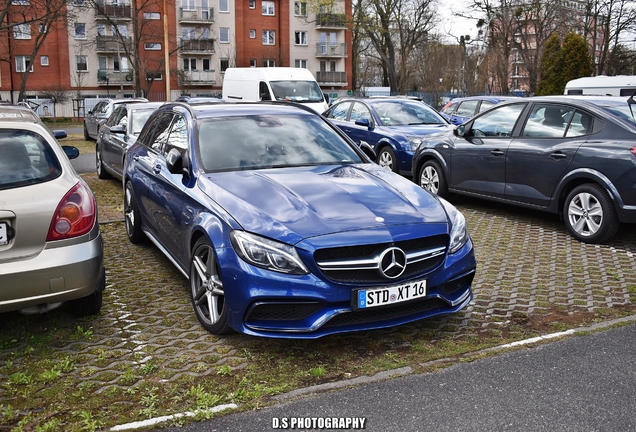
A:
<point x="432" y="179"/>
<point x="386" y="159"/>
<point x="589" y="214"/>
<point x="132" y="216"/>
<point x="99" y="164"/>
<point x="206" y="289"/>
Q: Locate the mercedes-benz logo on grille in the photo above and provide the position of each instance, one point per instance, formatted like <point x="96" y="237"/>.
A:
<point x="393" y="262"/>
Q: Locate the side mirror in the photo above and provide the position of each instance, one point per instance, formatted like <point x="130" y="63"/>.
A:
<point x="175" y="163"/>
<point x="368" y="150"/>
<point x="363" y="121"/>
<point x="59" y="134"/>
<point x="71" y="151"/>
<point x="460" y="131"/>
<point x="118" y="129"/>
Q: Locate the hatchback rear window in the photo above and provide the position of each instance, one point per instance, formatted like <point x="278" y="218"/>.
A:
<point x="25" y="159"/>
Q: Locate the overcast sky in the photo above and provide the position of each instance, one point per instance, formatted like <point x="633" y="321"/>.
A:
<point x="452" y="24"/>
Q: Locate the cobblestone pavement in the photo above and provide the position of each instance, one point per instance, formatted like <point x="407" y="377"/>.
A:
<point x="529" y="268"/>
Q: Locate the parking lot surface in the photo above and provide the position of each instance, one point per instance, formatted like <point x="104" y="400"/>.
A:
<point x="531" y="274"/>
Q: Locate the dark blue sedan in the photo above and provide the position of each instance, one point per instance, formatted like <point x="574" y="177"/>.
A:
<point x="394" y="127"/>
<point x="283" y="226"/>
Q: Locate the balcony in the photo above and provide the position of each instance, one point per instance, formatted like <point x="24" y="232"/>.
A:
<point x="107" y="77"/>
<point x="331" y="78"/>
<point x="331" y="21"/>
<point x="113" y="44"/>
<point x="324" y="49"/>
<point x="115" y="11"/>
<point x="197" y="15"/>
<point x="196" y="77"/>
<point x="201" y="46"/>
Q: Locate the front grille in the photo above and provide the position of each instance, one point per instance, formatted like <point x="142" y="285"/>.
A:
<point x="282" y="311"/>
<point x="372" y="252"/>
<point x="386" y="313"/>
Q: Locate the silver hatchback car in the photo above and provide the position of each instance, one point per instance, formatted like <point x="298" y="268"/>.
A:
<point x="51" y="248"/>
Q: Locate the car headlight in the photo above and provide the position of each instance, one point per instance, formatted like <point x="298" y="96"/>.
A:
<point x="459" y="230"/>
<point x="415" y="142"/>
<point x="267" y="254"/>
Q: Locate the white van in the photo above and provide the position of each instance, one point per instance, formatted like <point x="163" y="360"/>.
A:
<point x="273" y="83"/>
<point x="622" y="85"/>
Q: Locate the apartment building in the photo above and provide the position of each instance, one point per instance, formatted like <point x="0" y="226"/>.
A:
<point x="121" y="47"/>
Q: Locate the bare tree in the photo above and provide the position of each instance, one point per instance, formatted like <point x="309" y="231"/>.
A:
<point x="395" y="28"/>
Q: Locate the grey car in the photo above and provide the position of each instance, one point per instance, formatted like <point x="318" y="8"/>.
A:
<point x="96" y="117"/>
<point x="51" y="248"/>
<point x="118" y="133"/>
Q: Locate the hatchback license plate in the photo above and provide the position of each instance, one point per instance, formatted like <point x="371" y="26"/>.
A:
<point x="389" y="295"/>
<point x="4" y="235"/>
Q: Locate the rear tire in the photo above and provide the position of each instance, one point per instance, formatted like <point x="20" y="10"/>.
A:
<point x="589" y="214"/>
<point x="132" y="216"/>
<point x="99" y="164"/>
<point x="86" y="135"/>
<point x="92" y="304"/>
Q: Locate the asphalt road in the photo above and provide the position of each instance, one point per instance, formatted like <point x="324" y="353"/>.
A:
<point x="582" y="383"/>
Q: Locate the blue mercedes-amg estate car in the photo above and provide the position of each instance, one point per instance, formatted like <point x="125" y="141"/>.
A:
<point x="285" y="228"/>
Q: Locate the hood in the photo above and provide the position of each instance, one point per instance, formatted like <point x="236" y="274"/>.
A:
<point x="292" y="204"/>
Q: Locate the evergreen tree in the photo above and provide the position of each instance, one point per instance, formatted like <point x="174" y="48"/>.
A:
<point x="577" y="62"/>
<point x="551" y="80"/>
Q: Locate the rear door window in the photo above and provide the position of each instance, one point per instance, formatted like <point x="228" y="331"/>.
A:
<point x="26" y="158"/>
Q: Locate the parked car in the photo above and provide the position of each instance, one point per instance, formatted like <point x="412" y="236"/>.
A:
<point x="50" y="242"/>
<point x="285" y="229"/>
<point x="393" y="127"/>
<point x="96" y="117"/>
<point x="459" y="110"/>
<point x="199" y="99"/>
<point x="563" y="154"/>
<point x="118" y="133"/>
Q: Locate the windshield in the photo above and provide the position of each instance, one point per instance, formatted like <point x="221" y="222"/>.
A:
<point x="401" y="113"/>
<point x="267" y="141"/>
<point x="297" y="91"/>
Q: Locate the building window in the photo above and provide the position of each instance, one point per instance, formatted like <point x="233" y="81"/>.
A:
<point x="154" y="76"/>
<point x="188" y="33"/>
<point x="206" y="64"/>
<point x="252" y="34"/>
<point x="80" y="31"/>
<point x="152" y="15"/>
<point x="152" y="46"/>
<point x="22" y="31"/>
<point x="225" y="63"/>
<point x="269" y="63"/>
<point x="252" y="62"/>
<point x="189" y="64"/>
<point x="269" y="37"/>
<point x="224" y="6"/>
<point x="252" y="4"/>
<point x="44" y="60"/>
<point x="20" y="2"/>
<point x="82" y="63"/>
<point x="300" y="9"/>
<point x="268" y="8"/>
<point x="22" y="62"/>
<point x="301" y="64"/>
<point x="300" y="38"/>
<point x="43" y="28"/>
<point x="224" y="35"/>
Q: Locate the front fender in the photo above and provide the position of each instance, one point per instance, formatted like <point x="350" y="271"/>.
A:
<point x="427" y="154"/>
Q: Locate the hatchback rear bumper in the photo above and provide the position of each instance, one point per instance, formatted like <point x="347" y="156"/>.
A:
<point x="56" y="274"/>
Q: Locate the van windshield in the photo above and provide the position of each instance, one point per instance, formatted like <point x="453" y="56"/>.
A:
<point x="297" y="91"/>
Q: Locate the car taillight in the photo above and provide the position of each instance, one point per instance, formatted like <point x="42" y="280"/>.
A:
<point x="75" y="214"/>
<point x="633" y="150"/>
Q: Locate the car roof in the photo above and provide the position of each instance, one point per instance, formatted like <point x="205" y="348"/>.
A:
<point x="145" y="105"/>
<point x="214" y="109"/>
<point x="495" y="99"/>
<point x="15" y="113"/>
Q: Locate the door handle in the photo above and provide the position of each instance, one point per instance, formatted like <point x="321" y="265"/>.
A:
<point x="156" y="168"/>
<point x="136" y="158"/>
<point x="497" y="152"/>
<point x="558" y="155"/>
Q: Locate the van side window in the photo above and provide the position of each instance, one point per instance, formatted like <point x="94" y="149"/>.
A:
<point x="263" y="91"/>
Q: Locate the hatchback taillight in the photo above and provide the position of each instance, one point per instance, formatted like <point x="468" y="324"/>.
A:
<point x="75" y="214"/>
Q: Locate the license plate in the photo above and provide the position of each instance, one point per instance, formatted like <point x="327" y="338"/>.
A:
<point x="4" y="235"/>
<point x="389" y="295"/>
